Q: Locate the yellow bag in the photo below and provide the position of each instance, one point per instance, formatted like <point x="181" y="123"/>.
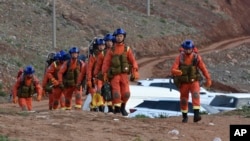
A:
<point x="97" y="100"/>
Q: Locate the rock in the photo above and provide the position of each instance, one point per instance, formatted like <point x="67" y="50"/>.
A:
<point x="217" y="139"/>
<point x="174" y="132"/>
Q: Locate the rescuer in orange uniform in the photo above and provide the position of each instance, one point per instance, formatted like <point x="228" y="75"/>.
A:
<point x="109" y="38"/>
<point x="118" y="62"/>
<point x="51" y="78"/>
<point x="186" y="76"/>
<point x="25" y="87"/>
<point x="91" y="79"/>
<point x="68" y="76"/>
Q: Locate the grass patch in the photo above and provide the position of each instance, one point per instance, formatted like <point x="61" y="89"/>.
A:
<point x="244" y="111"/>
<point x="5" y="138"/>
<point x="141" y="116"/>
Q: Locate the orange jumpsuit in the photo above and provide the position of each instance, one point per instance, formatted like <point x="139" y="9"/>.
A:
<point x="44" y="83"/>
<point x="56" y="95"/>
<point x="90" y="74"/>
<point x="98" y="70"/>
<point x="26" y="102"/>
<point x="68" y="91"/>
<point x="119" y="82"/>
<point x="91" y="66"/>
<point x="193" y="87"/>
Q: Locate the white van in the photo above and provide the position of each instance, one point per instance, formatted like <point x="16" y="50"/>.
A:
<point x="228" y="102"/>
<point x="139" y="93"/>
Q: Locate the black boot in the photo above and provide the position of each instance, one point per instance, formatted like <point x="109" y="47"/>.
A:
<point x="117" y="110"/>
<point x="185" y="118"/>
<point x="101" y="108"/>
<point x="110" y="109"/>
<point x="197" y="116"/>
<point x="123" y="110"/>
<point x="94" y="109"/>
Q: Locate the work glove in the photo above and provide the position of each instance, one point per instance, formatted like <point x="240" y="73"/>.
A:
<point x="61" y="86"/>
<point x="135" y="75"/>
<point x="177" y="72"/>
<point x="14" y="100"/>
<point x="54" y="82"/>
<point x="78" y="86"/>
<point x="89" y="84"/>
<point x="44" y="93"/>
<point x="105" y="77"/>
<point x="208" y="83"/>
<point x="39" y="98"/>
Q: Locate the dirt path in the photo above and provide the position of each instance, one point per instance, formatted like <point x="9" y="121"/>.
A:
<point x="147" y="64"/>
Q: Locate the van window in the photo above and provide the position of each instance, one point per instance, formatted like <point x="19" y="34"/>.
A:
<point x="224" y="101"/>
<point x="164" y="85"/>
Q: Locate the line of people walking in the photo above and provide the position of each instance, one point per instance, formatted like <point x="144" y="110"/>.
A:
<point x="110" y="61"/>
<point x="105" y="76"/>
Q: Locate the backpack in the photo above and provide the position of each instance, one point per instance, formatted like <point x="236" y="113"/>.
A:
<point x="50" y="58"/>
<point x="106" y="92"/>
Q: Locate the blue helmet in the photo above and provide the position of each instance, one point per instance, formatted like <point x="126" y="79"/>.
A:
<point x="119" y="31"/>
<point x="109" y="37"/>
<point x="82" y="57"/>
<point x="57" y="56"/>
<point x="188" y="44"/>
<point x="63" y="55"/>
<point x="100" y="41"/>
<point x="29" y="70"/>
<point x="74" y="50"/>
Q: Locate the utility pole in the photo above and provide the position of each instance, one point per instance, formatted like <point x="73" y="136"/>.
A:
<point x="148" y="7"/>
<point x="54" y="25"/>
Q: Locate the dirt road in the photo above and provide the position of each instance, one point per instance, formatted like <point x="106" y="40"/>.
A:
<point x="89" y="126"/>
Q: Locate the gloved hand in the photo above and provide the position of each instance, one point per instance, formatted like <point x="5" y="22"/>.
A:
<point x="39" y="98"/>
<point x="55" y="83"/>
<point x="105" y="77"/>
<point x="44" y="93"/>
<point x="135" y="75"/>
<point x="177" y="72"/>
<point x="14" y="100"/>
<point x="61" y="86"/>
<point x="78" y="86"/>
<point x="208" y="83"/>
<point x="89" y="84"/>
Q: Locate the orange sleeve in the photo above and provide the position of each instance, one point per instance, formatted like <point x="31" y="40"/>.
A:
<point x="20" y="72"/>
<point x="203" y="68"/>
<point x="98" y="65"/>
<point x="37" y="86"/>
<point x="16" y="87"/>
<point x="51" y="70"/>
<point x="131" y="59"/>
<point x="45" y="79"/>
<point x="106" y="62"/>
<point x="82" y="73"/>
<point x="176" y="64"/>
<point x="90" y="67"/>
<point x="61" y="71"/>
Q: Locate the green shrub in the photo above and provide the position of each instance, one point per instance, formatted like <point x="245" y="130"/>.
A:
<point x="5" y="138"/>
<point x="3" y="94"/>
<point x="141" y="116"/>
